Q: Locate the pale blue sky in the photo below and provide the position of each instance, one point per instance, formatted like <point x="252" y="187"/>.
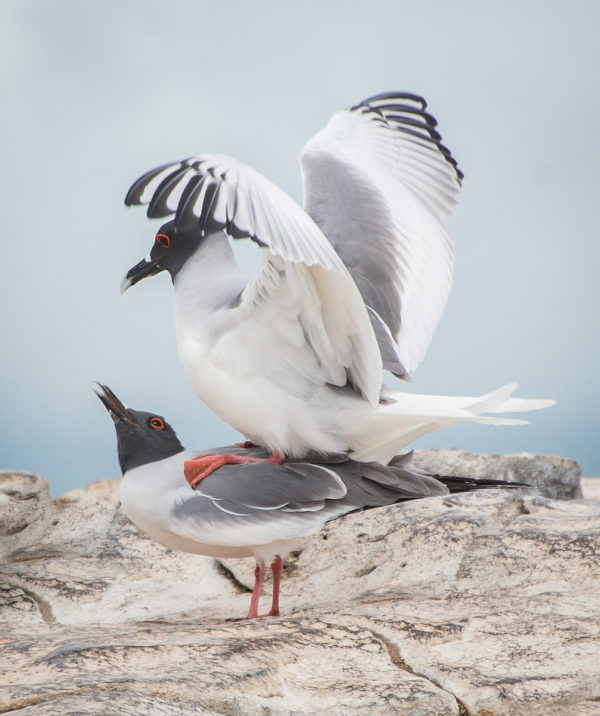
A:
<point x="95" y="93"/>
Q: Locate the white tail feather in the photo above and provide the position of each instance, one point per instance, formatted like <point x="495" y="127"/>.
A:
<point x="522" y="405"/>
<point x="410" y="416"/>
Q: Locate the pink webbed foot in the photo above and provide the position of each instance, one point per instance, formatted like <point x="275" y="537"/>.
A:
<point x="202" y="466"/>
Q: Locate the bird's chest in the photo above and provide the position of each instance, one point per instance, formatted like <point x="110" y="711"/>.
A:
<point x="261" y="376"/>
<point x="143" y="501"/>
<point x="209" y="363"/>
<point x="250" y="387"/>
<point x="267" y="356"/>
<point x="226" y="381"/>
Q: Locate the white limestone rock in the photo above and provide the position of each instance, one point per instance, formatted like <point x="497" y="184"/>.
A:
<point x="552" y="475"/>
<point x="480" y="603"/>
<point x="26" y="509"/>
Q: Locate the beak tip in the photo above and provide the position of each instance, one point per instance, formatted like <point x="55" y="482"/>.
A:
<point x="99" y="388"/>
<point x="117" y="410"/>
<point x="146" y="267"/>
<point x="125" y="284"/>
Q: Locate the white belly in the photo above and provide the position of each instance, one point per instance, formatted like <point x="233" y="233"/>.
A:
<point x="266" y="401"/>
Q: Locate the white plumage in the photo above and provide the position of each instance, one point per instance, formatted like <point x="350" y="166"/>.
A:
<point x="354" y="283"/>
<point x="377" y="185"/>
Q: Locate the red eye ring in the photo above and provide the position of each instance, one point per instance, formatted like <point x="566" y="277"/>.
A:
<point x="163" y="240"/>
<point x="156" y="423"/>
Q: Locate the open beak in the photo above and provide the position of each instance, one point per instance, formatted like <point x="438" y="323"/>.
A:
<point x="142" y="270"/>
<point x="116" y="409"/>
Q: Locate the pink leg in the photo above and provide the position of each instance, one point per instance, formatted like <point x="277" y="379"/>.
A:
<point x="259" y="578"/>
<point x="276" y="567"/>
<point x="202" y="466"/>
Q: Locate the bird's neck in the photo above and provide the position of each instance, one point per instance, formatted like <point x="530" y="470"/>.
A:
<point x="209" y="280"/>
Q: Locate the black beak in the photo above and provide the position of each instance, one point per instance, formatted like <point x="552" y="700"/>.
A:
<point x="116" y="409"/>
<point x="142" y="270"/>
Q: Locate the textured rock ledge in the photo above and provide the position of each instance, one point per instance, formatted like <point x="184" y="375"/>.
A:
<point x="484" y="603"/>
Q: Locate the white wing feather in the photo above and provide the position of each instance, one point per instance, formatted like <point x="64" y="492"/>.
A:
<point x="213" y="192"/>
<point x="377" y="181"/>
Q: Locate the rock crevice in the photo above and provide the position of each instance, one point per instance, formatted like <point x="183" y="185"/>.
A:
<point x="397" y="660"/>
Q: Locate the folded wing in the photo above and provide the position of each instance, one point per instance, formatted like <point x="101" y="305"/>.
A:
<point x="259" y="504"/>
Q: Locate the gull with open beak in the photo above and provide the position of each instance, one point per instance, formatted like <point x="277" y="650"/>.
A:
<point x="257" y="509"/>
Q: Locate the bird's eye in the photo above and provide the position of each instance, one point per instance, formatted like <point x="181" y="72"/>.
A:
<point x="163" y="240"/>
<point x="156" y="423"/>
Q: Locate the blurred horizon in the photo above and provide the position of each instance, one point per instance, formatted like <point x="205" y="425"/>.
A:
<point x="97" y="93"/>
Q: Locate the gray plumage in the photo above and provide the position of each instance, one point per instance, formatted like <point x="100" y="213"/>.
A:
<point x="248" y="509"/>
<point x="259" y="509"/>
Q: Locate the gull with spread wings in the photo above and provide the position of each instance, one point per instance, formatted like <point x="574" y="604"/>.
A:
<point x="351" y="285"/>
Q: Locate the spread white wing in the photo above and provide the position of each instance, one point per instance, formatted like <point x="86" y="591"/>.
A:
<point x="213" y="192"/>
<point x="378" y="181"/>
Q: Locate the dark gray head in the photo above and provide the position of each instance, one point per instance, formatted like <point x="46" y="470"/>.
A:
<point x="170" y="251"/>
<point x="141" y="437"/>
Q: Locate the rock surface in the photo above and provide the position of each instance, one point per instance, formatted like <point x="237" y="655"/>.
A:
<point x="552" y="475"/>
<point x="482" y="603"/>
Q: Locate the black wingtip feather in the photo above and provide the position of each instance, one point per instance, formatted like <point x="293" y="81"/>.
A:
<point x="185" y="220"/>
<point x="157" y="208"/>
<point x="411" y="122"/>
<point x="466" y="484"/>
<point x="135" y="191"/>
<point x="386" y="109"/>
<point x="207" y="220"/>
<point x="387" y="105"/>
<point x="383" y="96"/>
